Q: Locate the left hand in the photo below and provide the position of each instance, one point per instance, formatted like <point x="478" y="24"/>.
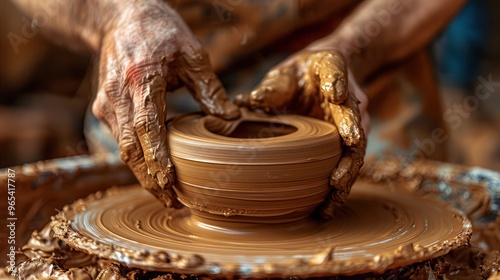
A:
<point x="316" y="84"/>
<point x="147" y="51"/>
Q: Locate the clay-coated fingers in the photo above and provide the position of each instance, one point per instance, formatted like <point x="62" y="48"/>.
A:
<point x="331" y="74"/>
<point x="339" y="101"/>
<point x="342" y="179"/>
<point x="117" y="111"/>
<point x="277" y="90"/>
<point x="347" y="118"/>
<point x="346" y="173"/>
<point x="149" y="128"/>
<point x="198" y="76"/>
<point x="131" y="152"/>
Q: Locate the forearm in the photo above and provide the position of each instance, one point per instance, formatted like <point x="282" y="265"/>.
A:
<point x="83" y="23"/>
<point x="381" y="32"/>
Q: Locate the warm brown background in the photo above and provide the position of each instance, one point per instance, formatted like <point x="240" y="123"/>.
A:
<point x="45" y="91"/>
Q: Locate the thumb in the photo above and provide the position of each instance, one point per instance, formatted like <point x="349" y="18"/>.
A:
<point x="277" y="90"/>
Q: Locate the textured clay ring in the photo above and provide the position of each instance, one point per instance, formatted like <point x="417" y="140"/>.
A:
<point x="260" y="168"/>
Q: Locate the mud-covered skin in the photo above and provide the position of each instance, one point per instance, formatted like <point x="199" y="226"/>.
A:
<point x="316" y="84"/>
<point x="134" y="76"/>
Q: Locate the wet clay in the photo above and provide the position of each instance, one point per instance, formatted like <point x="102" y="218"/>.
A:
<point x="259" y="168"/>
<point x="374" y="231"/>
<point x="49" y="256"/>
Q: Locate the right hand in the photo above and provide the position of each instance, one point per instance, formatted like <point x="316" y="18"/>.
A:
<point x="316" y="84"/>
<point x="146" y="51"/>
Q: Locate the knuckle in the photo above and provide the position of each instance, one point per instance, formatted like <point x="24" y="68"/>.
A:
<point x="141" y="119"/>
<point x="138" y="73"/>
<point x="130" y="151"/>
<point x="112" y="89"/>
<point x="145" y="122"/>
<point x="195" y="53"/>
<point x="135" y="73"/>
<point x="123" y="108"/>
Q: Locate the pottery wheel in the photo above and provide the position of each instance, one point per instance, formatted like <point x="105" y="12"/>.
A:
<point x="377" y="229"/>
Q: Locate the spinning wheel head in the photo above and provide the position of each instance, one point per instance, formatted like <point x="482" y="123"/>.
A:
<point x="376" y="230"/>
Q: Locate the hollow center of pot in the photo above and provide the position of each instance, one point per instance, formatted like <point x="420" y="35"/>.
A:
<point x="254" y="129"/>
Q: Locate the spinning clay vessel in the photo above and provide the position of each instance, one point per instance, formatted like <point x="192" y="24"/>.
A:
<point x="260" y="168"/>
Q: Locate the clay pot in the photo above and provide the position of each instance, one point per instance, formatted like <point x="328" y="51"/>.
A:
<point x="259" y="168"/>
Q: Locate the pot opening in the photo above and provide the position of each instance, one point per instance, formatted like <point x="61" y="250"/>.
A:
<point x="253" y="129"/>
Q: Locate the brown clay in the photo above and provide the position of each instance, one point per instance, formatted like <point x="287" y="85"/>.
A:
<point x="267" y="169"/>
<point x="49" y="256"/>
<point x="374" y="231"/>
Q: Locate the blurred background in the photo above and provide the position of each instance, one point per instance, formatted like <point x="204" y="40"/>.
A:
<point x="45" y="91"/>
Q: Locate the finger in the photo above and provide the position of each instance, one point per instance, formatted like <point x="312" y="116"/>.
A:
<point x="341" y="177"/>
<point x="117" y="110"/>
<point x="131" y="152"/>
<point x="149" y="137"/>
<point x="348" y="120"/>
<point x="346" y="173"/>
<point x="340" y="106"/>
<point x="115" y="106"/>
<point x="276" y="91"/>
<point x="198" y="76"/>
<point x="331" y="73"/>
<point x="342" y="180"/>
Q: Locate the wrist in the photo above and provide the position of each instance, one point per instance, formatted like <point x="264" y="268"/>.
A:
<point x="99" y="18"/>
<point x="142" y="16"/>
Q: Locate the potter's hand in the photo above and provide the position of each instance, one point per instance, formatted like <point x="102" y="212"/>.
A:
<point x="145" y="53"/>
<point x="316" y="84"/>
